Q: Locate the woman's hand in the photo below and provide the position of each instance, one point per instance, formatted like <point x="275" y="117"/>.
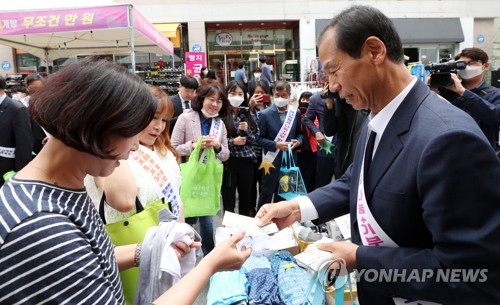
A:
<point x="182" y="249"/>
<point x="225" y="256"/>
<point x="243" y="126"/>
<point x="256" y="101"/>
<point x="208" y="142"/>
<point x="240" y="141"/>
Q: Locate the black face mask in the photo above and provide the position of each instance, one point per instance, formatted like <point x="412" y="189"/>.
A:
<point x="303" y="104"/>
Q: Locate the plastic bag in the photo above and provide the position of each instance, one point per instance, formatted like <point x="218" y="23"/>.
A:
<point x="201" y="183"/>
<point x="291" y="184"/>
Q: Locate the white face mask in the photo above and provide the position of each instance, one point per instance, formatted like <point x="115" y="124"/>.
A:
<point x="280" y="102"/>
<point x="205" y="72"/>
<point x="208" y="115"/>
<point x="470" y="72"/>
<point x="235" y="101"/>
<point x="256" y="75"/>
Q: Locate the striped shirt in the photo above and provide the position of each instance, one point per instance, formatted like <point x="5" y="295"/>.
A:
<point x="54" y="248"/>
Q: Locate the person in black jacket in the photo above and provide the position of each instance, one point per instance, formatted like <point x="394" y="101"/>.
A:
<point x="346" y="122"/>
<point x="470" y="92"/>
<point x="16" y="140"/>
<point x="182" y="100"/>
<point x="34" y="83"/>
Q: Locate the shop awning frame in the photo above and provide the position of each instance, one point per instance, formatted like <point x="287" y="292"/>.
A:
<point x="63" y="32"/>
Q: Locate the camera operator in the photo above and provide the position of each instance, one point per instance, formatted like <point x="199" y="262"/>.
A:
<point x="469" y="92"/>
<point x="242" y="132"/>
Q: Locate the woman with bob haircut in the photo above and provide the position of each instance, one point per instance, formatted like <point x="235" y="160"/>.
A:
<point x="154" y="183"/>
<point x="209" y="106"/>
<point x="53" y="245"/>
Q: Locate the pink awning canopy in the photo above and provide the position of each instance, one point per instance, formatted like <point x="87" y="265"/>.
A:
<point x="57" y="33"/>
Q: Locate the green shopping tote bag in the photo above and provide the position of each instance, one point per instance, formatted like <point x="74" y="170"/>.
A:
<point x="201" y="182"/>
<point x="132" y="230"/>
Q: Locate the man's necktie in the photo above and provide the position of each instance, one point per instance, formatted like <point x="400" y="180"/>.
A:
<point x="369" y="151"/>
<point x="186" y="105"/>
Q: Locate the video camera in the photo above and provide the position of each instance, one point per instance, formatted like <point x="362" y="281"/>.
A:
<point x="441" y="72"/>
<point x="242" y="114"/>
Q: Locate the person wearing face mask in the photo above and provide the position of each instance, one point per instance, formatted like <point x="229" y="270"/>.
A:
<point x="256" y="79"/>
<point x="326" y="158"/>
<point x="470" y="92"/>
<point x="279" y="126"/>
<point x="209" y="106"/>
<point x="307" y="155"/>
<point x="203" y="72"/>
<point x="242" y="132"/>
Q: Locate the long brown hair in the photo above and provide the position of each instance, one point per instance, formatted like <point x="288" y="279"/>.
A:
<point x="165" y="104"/>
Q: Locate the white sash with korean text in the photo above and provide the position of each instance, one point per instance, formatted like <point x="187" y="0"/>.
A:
<point x="282" y="135"/>
<point x="7" y="152"/>
<point x="215" y="132"/>
<point x="149" y="163"/>
<point x="373" y="235"/>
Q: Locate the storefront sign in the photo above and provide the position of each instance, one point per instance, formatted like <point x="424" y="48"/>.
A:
<point x="223" y="39"/>
<point x="257" y="37"/>
<point x="194" y="62"/>
<point x="62" y="20"/>
<point x="196" y="48"/>
<point x="6" y="65"/>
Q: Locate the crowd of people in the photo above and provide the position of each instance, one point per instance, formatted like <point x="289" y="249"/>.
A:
<point x="375" y="141"/>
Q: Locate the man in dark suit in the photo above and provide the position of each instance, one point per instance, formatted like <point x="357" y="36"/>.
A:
<point x="33" y="84"/>
<point x="424" y="197"/>
<point x="345" y="122"/>
<point x="270" y="122"/>
<point x="16" y="141"/>
<point x="325" y="161"/>
<point x="182" y="100"/>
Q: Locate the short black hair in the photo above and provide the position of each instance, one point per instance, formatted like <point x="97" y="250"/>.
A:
<point x="91" y="100"/>
<point x="256" y="70"/>
<point x="241" y="64"/>
<point x="305" y="94"/>
<point x="189" y="82"/>
<point x="280" y="85"/>
<point x="356" y="23"/>
<point x="475" y="54"/>
<point x="3" y="83"/>
<point x="262" y="59"/>
<point x="211" y="74"/>
<point x="261" y="84"/>
<point x="31" y="78"/>
<point x="206" y="91"/>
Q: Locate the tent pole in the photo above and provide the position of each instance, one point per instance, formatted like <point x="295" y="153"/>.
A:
<point x="47" y="60"/>
<point x="132" y="47"/>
